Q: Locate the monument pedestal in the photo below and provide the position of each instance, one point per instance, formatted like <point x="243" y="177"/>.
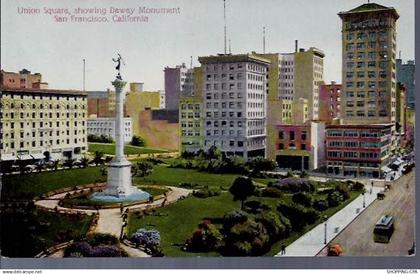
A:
<point x="119" y="179"/>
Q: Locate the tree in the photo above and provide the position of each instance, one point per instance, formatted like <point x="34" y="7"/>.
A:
<point x="259" y="164"/>
<point x="241" y="189"/>
<point x="144" y="168"/>
<point x="138" y="141"/>
<point x="84" y="162"/>
<point x="97" y="158"/>
<point x="69" y="163"/>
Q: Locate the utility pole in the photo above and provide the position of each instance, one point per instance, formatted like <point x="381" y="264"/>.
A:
<point x="224" y="18"/>
<point x="84" y="74"/>
<point x="264" y="40"/>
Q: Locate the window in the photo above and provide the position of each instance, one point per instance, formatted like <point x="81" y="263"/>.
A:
<point x="281" y="135"/>
<point x="291" y="135"/>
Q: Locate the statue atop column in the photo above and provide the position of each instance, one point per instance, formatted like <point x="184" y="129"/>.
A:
<point x="118" y="67"/>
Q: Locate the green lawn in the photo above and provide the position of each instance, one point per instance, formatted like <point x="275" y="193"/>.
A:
<point x="163" y="175"/>
<point x="29" y="185"/>
<point x="128" y="149"/>
<point x="181" y="220"/>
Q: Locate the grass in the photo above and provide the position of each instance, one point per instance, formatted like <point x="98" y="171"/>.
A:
<point x="128" y="149"/>
<point x="17" y="187"/>
<point x="181" y="219"/>
<point x="163" y="175"/>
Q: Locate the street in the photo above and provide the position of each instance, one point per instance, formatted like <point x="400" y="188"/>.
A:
<point x="357" y="238"/>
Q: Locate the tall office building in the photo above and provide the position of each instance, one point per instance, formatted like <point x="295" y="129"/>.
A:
<point x="300" y="75"/>
<point x="179" y="81"/>
<point x="369" y="65"/>
<point x="405" y="75"/>
<point x="235" y="103"/>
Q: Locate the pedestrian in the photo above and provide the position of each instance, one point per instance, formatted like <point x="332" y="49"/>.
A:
<point x="121" y="208"/>
<point x="283" y="249"/>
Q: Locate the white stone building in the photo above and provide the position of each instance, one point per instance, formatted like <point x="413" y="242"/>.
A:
<point x="35" y="121"/>
<point x="106" y="126"/>
<point x="235" y="103"/>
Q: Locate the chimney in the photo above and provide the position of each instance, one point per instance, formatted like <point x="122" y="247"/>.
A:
<point x="296" y="45"/>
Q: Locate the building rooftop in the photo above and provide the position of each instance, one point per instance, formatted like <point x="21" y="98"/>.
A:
<point x="229" y="58"/>
<point x="370" y="7"/>
<point x="43" y="91"/>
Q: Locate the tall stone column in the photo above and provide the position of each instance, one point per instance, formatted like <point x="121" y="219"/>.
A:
<point x="119" y="169"/>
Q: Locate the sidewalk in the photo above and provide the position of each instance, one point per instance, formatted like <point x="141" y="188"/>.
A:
<point x="313" y="241"/>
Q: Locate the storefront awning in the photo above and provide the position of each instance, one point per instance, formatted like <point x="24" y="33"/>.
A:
<point x="55" y="156"/>
<point x="25" y="157"/>
<point x="8" y="157"/>
<point x="386" y="169"/>
<point x="38" y="156"/>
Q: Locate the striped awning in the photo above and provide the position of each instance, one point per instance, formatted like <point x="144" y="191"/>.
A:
<point x="25" y="157"/>
<point x="38" y="156"/>
<point x="8" y="157"/>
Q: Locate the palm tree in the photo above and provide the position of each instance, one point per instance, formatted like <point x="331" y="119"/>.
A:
<point x="97" y="158"/>
<point x="69" y="163"/>
<point x="84" y="162"/>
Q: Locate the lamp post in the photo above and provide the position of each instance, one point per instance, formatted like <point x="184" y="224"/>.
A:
<point x="325" y="229"/>
<point x="364" y="201"/>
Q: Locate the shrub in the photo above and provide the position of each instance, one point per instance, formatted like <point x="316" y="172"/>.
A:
<point x="251" y="232"/>
<point x="320" y="205"/>
<point x="298" y="215"/>
<point x="234" y="217"/>
<point x="150" y="239"/>
<point x="143" y="168"/>
<point x="259" y="164"/>
<point x="242" y="248"/>
<point x="206" y="238"/>
<point x="343" y="190"/>
<point x="272" y="223"/>
<point x="255" y="206"/>
<point x="295" y="185"/>
<point x="100" y="139"/>
<point x="188" y="185"/>
<point x="205" y="193"/>
<point x="137" y="141"/>
<point x="105" y="251"/>
<point x="78" y="249"/>
<point x="102" y="239"/>
<point x="302" y="198"/>
<point x="271" y="192"/>
<point x="357" y="186"/>
<point x="334" y="199"/>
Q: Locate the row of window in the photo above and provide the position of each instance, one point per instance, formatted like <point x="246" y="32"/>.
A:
<point x="41" y="115"/>
<point x="42" y="143"/>
<point x="363" y="45"/>
<point x="354" y="144"/>
<point x="190" y="106"/>
<point x="370" y="94"/>
<point x="190" y="124"/>
<point x="42" y="124"/>
<point x="41" y="134"/>
<point x="292" y="146"/>
<point x="370" y="64"/>
<point x="370" y="113"/>
<point x="42" y="97"/>
<point x="372" y="35"/>
<point x="291" y="135"/>
<point x="370" y="74"/>
<point x="224" y="105"/>
<point x="353" y="133"/>
<point x="223" y="123"/>
<point x="41" y="106"/>
<point x="234" y="66"/>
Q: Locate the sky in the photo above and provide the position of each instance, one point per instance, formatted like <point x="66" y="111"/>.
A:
<point x="56" y="50"/>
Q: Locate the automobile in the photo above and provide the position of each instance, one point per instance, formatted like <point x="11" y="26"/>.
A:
<point x="384" y="229"/>
<point x="335" y="250"/>
<point x="380" y="195"/>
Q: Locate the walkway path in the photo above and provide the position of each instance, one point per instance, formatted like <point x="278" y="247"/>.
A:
<point x="110" y="220"/>
<point x="312" y="242"/>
